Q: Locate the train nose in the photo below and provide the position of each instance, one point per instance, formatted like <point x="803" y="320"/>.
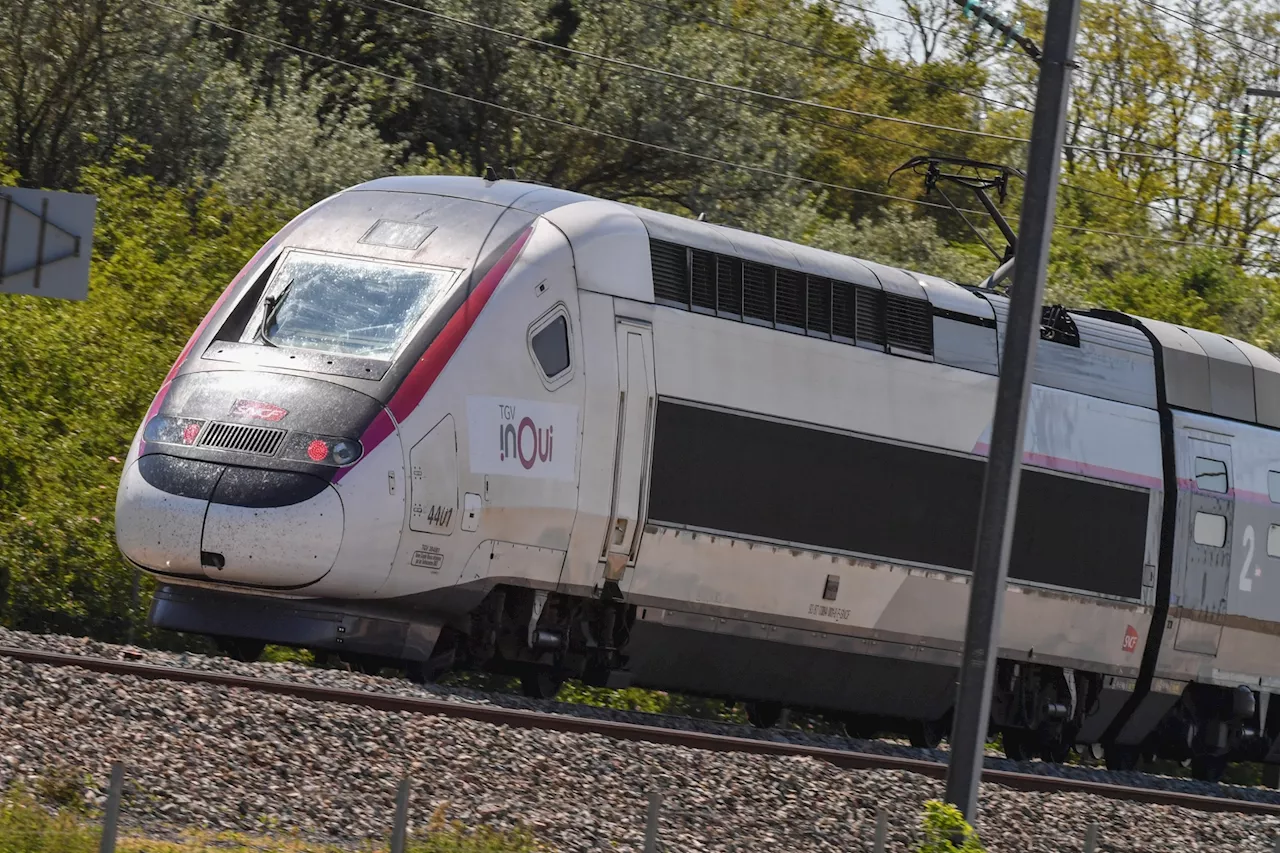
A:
<point x="238" y="525"/>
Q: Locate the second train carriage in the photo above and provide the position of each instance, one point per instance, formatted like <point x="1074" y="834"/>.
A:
<point x="451" y="422"/>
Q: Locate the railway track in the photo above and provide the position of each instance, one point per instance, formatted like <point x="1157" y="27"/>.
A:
<point x="633" y="731"/>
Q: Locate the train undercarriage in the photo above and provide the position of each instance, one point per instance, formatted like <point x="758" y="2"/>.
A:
<point x="1039" y="711"/>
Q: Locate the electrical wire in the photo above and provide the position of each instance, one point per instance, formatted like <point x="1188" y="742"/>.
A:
<point x="1205" y="27"/>
<point x="1082" y="72"/>
<point x="813" y="51"/>
<point x="726" y="87"/>
<point x="814" y="104"/>
<point x="620" y="138"/>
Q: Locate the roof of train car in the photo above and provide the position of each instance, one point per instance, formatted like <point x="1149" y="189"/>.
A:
<point x="1204" y="371"/>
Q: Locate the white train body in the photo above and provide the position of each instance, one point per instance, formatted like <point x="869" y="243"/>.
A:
<point x="622" y="445"/>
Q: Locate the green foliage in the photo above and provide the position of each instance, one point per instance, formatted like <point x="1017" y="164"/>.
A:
<point x="943" y="826"/>
<point x="200" y="141"/>
<point x="76" y="379"/>
<point x="28" y="827"/>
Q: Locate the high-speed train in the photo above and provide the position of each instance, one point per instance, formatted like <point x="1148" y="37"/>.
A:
<point x="446" y="423"/>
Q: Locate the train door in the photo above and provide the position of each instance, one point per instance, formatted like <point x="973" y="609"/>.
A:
<point x="1208" y="520"/>
<point x="636" y="400"/>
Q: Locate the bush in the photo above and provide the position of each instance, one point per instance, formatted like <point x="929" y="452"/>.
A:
<point x="28" y="827"/>
<point x="943" y="825"/>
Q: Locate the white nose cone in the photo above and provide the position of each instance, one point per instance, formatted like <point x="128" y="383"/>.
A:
<point x="156" y="529"/>
<point x="287" y="546"/>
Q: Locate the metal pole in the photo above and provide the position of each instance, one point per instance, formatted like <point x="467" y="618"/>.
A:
<point x="400" y="829"/>
<point x="1004" y="462"/>
<point x="882" y="830"/>
<point x="651" y="823"/>
<point x="44" y="222"/>
<point x="1091" y="838"/>
<point x="112" y="818"/>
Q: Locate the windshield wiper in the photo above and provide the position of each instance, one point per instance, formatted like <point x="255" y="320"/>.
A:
<point x="271" y="307"/>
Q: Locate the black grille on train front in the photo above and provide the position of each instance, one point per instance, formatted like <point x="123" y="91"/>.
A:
<point x="245" y="439"/>
<point x="698" y="280"/>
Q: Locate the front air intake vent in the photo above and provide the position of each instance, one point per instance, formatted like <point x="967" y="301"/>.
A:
<point x="260" y="441"/>
<point x="670" y="272"/>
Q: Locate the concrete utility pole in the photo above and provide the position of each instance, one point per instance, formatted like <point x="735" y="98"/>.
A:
<point x="1004" y="462"/>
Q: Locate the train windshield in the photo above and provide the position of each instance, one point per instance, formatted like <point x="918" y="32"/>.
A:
<point x="346" y="305"/>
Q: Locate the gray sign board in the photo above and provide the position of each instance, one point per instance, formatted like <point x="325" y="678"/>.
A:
<point x="46" y="241"/>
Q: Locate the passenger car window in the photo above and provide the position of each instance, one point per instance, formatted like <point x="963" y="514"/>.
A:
<point x="551" y="347"/>
<point x="1273" y="486"/>
<point x="1211" y="475"/>
<point x="1273" y="541"/>
<point x="1210" y="529"/>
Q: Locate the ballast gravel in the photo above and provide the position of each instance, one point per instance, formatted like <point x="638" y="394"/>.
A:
<point x="341" y="678"/>
<point x="211" y="757"/>
<point x="229" y="759"/>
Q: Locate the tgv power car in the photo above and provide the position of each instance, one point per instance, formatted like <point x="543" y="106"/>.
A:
<point x="445" y="422"/>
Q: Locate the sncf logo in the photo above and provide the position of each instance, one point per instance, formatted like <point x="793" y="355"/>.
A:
<point x="524" y="439"/>
<point x="1130" y="639"/>
<point x="255" y="409"/>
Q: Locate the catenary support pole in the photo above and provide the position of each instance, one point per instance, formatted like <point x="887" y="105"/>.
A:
<point x="1004" y="463"/>
<point x="111" y="820"/>
<point x="400" y="826"/>
<point x="651" y="822"/>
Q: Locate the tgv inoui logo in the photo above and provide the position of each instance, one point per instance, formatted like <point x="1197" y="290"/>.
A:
<point x="523" y="439"/>
<point x="533" y="439"/>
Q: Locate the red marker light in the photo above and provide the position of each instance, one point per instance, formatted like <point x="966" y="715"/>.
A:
<point x="190" y="433"/>
<point x="318" y="451"/>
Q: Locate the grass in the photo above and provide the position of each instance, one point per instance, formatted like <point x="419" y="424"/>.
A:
<point x="30" y="824"/>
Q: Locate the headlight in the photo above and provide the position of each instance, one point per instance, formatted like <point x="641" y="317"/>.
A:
<point x="322" y="449"/>
<point x="166" y="430"/>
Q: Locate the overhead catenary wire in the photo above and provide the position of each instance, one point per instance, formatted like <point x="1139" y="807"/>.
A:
<point x="619" y="137"/>
<point x="1156" y="146"/>
<point x="861" y="132"/>
<point x="1081" y="72"/>
<point x="813" y="51"/>
<point x="801" y="102"/>
<point x="1214" y="30"/>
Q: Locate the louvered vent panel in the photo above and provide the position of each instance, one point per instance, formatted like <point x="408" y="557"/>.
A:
<point x="870" y="316"/>
<point x="909" y="323"/>
<point x="729" y="285"/>
<point x="704" y="279"/>
<point x="789" y="301"/>
<point x="244" y="439"/>
<point x="819" y="298"/>
<point x="842" y="324"/>
<point x="669" y="272"/>
<point x="757" y="291"/>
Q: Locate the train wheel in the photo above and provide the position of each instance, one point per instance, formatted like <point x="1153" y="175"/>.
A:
<point x="926" y="734"/>
<point x="241" y="648"/>
<point x="1208" y="768"/>
<point x="1018" y="745"/>
<point x="540" y="684"/>
<point x="1055" y="751"/>
<point x="1122" y="758"/>
<point x="763" y="715"/>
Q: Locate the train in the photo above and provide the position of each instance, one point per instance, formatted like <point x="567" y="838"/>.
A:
<point x="452" y="423"/>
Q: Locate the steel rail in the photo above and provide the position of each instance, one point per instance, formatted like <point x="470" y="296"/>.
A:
<point x="631" y="731"/>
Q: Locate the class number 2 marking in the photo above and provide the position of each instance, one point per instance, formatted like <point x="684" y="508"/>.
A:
<point x="1246" y="582"/>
